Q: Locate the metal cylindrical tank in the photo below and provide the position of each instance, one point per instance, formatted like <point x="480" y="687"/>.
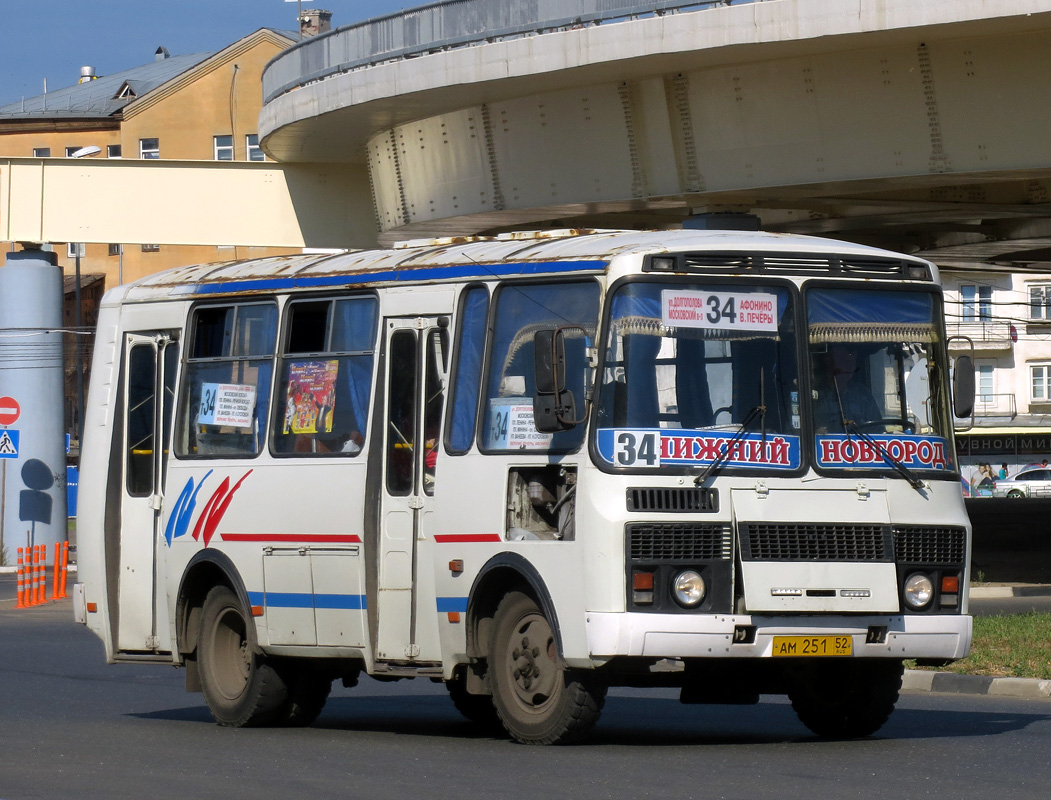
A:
<point x="32" y="429"/>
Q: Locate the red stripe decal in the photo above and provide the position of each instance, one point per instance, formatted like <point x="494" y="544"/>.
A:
<point x="291" y="537"/>
<point x="467" y="537"/>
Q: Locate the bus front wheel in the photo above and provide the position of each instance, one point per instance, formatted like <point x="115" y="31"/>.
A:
<point x="241" y="689"/>
<point x="538" y="700"/>
<point x="846" y="700"/>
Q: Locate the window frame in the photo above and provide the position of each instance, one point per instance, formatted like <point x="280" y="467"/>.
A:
<point x="150" y="153"/>
<point x="454" y="397"/>
<point x="220" y="150"/>
<point x="187" y="375"/>
<point x="495" y="297"/>
<point x="282" y="357"/>
<point x="1046" y="381"/>
<point x="252" y="148"/>
<point x="72" y="249"/>
<point x="1043" y="304"/>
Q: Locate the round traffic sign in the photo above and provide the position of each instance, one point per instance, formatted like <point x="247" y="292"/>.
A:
<point x="9" y="410"/>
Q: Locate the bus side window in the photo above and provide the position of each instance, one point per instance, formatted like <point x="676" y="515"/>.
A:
<point x="467" y="374"/>
<point x="226" y="390"/>
<point x="325" y="377"/>
<point x="522" y="310"/>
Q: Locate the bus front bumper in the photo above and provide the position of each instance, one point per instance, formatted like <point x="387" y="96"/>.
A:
<point x="752" y="636"/>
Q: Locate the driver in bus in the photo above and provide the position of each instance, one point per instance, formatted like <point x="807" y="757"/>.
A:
<point x="842" y="395"/>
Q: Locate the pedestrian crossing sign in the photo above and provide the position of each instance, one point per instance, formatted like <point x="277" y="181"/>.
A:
<point x="8" y="444"/>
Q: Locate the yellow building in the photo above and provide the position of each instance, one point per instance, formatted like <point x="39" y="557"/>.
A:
<point x="200" y="106"/>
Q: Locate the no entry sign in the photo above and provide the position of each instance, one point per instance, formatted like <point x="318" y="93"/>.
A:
<point x="9" y="410"/>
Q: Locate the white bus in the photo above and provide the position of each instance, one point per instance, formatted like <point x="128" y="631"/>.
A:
<point x="532" y="466"/>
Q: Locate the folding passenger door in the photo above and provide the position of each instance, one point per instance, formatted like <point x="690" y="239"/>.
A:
<point x="414" y="393"/>
<point x="148" y="376"/>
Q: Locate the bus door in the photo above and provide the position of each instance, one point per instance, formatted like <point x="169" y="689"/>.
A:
<point x="150" y="362"/>
<point x="416" y="378"/>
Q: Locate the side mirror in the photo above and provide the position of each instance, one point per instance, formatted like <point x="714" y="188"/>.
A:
<point x="554" y="407"/>
<point x="963" y="387"/>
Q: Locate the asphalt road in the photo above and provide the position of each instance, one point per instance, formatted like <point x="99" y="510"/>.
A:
<point x="71" y="726"/>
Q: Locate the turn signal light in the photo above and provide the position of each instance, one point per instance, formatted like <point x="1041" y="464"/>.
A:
<point x="642" y="588"/>
<point x="950" y="584"/>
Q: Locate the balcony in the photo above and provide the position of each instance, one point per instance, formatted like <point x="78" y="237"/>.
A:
<point x="991" y="335"/>
<point x="995" y="405"/>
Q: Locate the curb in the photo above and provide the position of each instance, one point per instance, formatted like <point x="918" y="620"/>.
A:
<point x="1000" y="592"/>
<point x="921" y="680"/>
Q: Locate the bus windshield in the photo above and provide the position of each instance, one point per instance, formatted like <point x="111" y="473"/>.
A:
<point x="878" y="394"/>
<point x="699" y="371"/>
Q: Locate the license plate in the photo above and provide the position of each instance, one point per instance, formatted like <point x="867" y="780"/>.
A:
<point x="813" y="646"/>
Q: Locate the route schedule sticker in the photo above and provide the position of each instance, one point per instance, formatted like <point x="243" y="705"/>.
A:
<point x="723" y="311"/>
<point x="227" y="404"/>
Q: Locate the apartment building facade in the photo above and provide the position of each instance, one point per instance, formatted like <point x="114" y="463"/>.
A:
<point x="1007" y="317"/>
<point x="199" y="106"/>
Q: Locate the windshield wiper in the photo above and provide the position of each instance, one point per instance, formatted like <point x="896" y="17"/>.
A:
<point x="757" y="411"/>
<point x="851" y="427"/>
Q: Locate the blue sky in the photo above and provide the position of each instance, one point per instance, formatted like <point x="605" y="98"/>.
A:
<point x="54" y="39"/>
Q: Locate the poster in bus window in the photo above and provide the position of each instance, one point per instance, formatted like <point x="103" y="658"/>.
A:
<point x="310" y="396"/>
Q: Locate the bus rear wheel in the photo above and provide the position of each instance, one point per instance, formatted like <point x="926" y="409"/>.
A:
<point x="308" y="691"/>
<point x="240" y="687"/>
<point x="840" y="700"/>
<point x="538" y="700"/>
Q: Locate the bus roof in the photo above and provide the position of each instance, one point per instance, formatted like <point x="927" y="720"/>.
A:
<point x="463" y="258"/>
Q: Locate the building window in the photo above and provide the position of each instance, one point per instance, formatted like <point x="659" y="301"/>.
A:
<point x="151" y="248"/>
<point x="984" y="373"/>
<point x="223" y="148"/>
<point x="976" y="302"/>
<point x="70" y="151"/>
<point x="1040" y="302"/>
<point x="1040" y="383"/>
<point x="41" y="152"/>
<point x="252" y="149"/>
<point x="113" y="151"/>
<point x="149" y="148"/>
<point x="115" y="249"/>
<point x="74" y="249"/>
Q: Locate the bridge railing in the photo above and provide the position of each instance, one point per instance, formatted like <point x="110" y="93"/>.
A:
<point x="447" y="25"/>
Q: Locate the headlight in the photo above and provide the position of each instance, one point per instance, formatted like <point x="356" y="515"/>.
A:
<point x="688" y="588"/>
<point x="918" y="590"/>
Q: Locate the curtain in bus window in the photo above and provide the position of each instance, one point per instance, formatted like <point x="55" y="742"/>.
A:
<point x="469" y="349"/>
<point x="843" y="315"/>
<point x="521" y="311"/>
<point x="355" y="332"/>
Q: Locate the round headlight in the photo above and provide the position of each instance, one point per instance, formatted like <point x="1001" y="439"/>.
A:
<point x="688" y="588"/>
<point x="918" y="590"/>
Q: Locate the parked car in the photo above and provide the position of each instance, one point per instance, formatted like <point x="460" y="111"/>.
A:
<point x="1033" y="482"/>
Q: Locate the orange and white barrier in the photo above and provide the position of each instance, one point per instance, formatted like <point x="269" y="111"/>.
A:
<point x="32" y="574"/>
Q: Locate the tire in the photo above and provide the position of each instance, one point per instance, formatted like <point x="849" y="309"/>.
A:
<point x="308" y="690"/>
<point x="846" y="700"/>
<point x="1015" y="494"/>
<point x="240" y="687"/>
<point x="478" y="708"/>
<point x="538" y="700"/>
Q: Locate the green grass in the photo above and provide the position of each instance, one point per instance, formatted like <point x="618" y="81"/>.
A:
<point x="1017" y="646"/>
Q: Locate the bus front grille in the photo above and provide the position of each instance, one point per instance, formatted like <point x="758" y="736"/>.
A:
<point x="929" y="544"/>
<point x="771" y="541"/>
<point x="687" y="542"/>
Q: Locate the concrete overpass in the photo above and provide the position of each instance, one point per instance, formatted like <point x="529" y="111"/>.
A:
<point x="918" y="125"/>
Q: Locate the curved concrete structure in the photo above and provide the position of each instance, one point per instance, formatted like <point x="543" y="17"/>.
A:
<point x="913" y="124"/>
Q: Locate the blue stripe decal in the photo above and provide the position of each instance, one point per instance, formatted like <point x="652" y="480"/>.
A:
<point x="354" y="602"/>
<point x="451" y="604"/>
<point x="289" y="600"/>
<point x="344" y="601"/>
<point x="459" y="271"/>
